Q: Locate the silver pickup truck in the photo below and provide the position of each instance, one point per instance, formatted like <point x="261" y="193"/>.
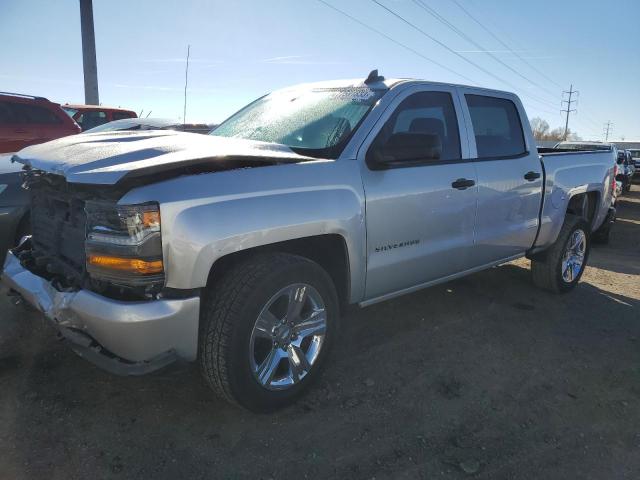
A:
<point x="240" y="248"/>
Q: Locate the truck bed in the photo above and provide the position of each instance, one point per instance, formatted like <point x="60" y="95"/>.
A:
<point x="566" y="173"/>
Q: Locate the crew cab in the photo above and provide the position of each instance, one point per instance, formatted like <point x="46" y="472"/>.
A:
<point x="240" y="249"/>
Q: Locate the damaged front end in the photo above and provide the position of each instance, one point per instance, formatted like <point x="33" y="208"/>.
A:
<point x="82" y="239"/>
<point x="95" y="269"/>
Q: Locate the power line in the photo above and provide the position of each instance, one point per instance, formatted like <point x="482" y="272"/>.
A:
<point x="406" y="47"/>
<point x="571" y="92"/>
<point x="457" y="54"/>
<point x="586" y="116"/>
<point x="486" y="29"/>
<point x="431" y="11"/>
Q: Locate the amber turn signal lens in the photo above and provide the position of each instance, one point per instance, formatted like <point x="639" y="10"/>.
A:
<point x="151" y="218"/>
<point x="132" y="265"/>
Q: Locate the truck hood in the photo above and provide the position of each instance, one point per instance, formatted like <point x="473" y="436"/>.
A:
<point x="107" y="158"/>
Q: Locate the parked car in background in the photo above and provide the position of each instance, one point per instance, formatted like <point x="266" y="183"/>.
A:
<point x="635" y="156"/>
<point x="90" y="116"/>
<point x="28" y="120"/>
<point x="626" y="169"/>
<point x="14" y="205"/>
<point x="240" y="248"/>
<point x="133" y="124"/>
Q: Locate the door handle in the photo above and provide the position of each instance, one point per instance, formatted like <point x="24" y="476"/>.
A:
<point x="463" y="184"/>
<point x="531" y="176"/>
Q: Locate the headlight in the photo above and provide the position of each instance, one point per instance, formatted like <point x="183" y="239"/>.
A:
<point x="124" y="244"/>
<point x="3" y="187"/>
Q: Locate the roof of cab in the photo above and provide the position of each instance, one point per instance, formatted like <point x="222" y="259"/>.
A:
<point x="384" y="84"/>
<point x="81" y="106"/>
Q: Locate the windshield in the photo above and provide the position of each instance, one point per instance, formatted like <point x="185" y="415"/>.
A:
<point x="635" y="153"/>
<point x="313" y="121"/>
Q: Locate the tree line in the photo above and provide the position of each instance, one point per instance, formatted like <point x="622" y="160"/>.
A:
<point x="542" y="131"/>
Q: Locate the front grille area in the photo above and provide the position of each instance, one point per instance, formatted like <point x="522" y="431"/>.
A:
<point x="58" y="225"/>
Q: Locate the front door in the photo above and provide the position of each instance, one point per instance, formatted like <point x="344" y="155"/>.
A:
<point x="420" y="212"/>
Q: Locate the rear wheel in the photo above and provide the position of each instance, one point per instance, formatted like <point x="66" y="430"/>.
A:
<point x="560" y="268"/>
<point x="267" y="327"/>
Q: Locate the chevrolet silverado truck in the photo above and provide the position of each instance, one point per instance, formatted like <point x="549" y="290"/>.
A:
<point x="239" y="249"/>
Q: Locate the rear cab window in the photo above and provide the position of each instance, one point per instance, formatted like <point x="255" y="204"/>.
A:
<point x="496" y="126"/>
<point x="121" y="115"/>
<point x="91" y="118"/>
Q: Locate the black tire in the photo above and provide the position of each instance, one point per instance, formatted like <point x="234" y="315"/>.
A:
<point x="230" y="309"/>
<point x="547" y="268"/>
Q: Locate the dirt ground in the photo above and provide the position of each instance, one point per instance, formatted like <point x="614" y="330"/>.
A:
<point x="484" y="377"/>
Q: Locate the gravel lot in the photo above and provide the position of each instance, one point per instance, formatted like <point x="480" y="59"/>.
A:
<point x="485" y="377"/>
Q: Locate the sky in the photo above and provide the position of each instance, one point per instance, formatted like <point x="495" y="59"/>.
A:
<point x="242" y="49"/>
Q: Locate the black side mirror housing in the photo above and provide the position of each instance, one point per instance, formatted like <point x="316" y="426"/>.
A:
<point x="404" y="148"/>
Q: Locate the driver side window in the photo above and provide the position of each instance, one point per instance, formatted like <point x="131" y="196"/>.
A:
<point x="424" y="128"/>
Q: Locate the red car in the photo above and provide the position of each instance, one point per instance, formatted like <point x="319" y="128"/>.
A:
<point x="26" y="120"/>
<point x="90" y="116"/>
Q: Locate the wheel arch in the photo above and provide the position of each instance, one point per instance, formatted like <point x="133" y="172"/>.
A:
<point x="585" y="205"/>
<point x="330" y="251"/>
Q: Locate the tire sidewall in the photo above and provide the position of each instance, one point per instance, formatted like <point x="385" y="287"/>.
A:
<point x="243" y="384"/>
<point x="567" y="286"/>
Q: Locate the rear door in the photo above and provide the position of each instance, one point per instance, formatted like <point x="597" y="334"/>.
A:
<point x="419" y="220"/>
<point x="509" y="175"/>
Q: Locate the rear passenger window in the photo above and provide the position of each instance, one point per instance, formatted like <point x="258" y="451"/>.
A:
<point x="6" y="115"/>
<point x="496" y="125"/>
<point x="426" y="113"/>
<point x="33" y="114"/>
<point x="92" y="118"/>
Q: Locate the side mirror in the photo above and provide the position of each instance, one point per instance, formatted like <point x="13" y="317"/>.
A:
<point x="404" y="148"/>
<point x="620" y="177"/>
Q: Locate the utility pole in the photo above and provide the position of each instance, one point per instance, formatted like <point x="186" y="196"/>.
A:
<point x="186" y="81"/>
<point x="89" y="53"/>
<point x="607" y="130"/>
<point x="571" y="92"/>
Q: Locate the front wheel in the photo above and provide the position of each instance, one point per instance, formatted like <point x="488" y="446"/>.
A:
<point x="560" y="268"/>
<point x="268" y="325"/>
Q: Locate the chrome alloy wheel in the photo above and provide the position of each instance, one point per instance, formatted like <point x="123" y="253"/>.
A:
<point x="287" y="336"/>
<point x="573" y="257"/>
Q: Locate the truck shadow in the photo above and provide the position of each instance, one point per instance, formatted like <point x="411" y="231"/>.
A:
<point x="480" y="355"/>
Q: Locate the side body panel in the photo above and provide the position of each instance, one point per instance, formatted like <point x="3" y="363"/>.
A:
<point x="570" y="174"/>
<point x="419" y="228"/>
<point x="208" y="216"/>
